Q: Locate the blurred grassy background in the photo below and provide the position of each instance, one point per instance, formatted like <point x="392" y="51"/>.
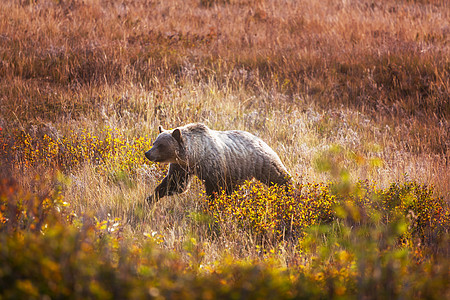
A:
<point x="344" y="91"/>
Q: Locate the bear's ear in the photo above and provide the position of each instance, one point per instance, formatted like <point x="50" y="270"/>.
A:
<point x="177" y="135"/>
<point x="160" y="128"/>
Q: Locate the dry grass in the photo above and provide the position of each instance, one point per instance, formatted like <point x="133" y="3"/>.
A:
<point x="369" y="77"/>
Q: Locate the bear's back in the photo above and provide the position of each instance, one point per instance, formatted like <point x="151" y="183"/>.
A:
<point x="248" y="156"/>
<point x="234" y="154"/>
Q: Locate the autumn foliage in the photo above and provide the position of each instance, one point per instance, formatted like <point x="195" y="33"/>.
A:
<point x="352" y="95"/>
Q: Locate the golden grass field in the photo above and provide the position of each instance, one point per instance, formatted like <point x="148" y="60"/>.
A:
<point x="344" y="91"/>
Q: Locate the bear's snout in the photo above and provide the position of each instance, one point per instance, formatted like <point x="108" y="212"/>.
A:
<point x="149" y="155"/>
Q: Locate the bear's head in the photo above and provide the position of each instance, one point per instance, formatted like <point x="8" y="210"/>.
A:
<point x="167" y="148"/>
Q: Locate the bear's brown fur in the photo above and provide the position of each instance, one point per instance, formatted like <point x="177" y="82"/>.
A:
<point x="221" y="159"/>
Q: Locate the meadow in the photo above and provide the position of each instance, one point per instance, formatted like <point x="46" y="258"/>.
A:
<point x="353" y="95"/>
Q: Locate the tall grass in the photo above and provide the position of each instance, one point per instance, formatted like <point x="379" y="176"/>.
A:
<point x="346" y="92"/>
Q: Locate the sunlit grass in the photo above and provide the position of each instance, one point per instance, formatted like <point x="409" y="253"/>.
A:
<point x="352" y="95"/>
<point x="111" y="152"/>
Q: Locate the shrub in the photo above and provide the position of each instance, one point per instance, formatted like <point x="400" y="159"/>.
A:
<point x="273" y="213"/>
<point x="110" y="150"/>
<point x="47" y="251"/>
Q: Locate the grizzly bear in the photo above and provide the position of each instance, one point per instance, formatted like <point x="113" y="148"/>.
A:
<point x="221" y="159"/>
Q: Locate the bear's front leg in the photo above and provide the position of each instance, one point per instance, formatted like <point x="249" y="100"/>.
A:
<point x="176" y="181"/>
